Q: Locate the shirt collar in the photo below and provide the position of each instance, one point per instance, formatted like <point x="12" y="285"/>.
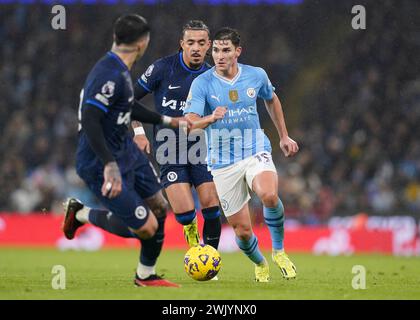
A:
<point x="181" y="60"/>
<point x="116" y="57"/>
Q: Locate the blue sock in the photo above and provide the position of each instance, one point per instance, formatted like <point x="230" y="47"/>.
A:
<point x="108" y="221"/>
<point x="274" y="218"/>
<point x="251" y="249"/>
<point x="151" y="248"/>
<point x="185" y="218"/>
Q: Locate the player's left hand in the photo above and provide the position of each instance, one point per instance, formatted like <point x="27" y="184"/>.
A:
<point x="112" y="185"/>
<point x="288" y="146"/>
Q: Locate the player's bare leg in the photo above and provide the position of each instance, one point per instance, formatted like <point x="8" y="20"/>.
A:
<point x="158" y="204"/>
<point x="182" y="203"/>
<point x="265" y="185"/>
<point x="209" y="201"/>
<point x="207" y="195"/>
<point x="147" y="230"/>
<point x="248" y="242"/>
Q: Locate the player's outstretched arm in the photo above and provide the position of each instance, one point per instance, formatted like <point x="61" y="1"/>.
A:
<point x="198" y="122"/>
<point x="143" y="114"/>
<point x="287" y="144"/>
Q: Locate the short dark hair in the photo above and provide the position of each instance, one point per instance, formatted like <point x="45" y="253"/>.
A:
<point x="130" y="28"/>
<point x="227" y="33"/>
<point x="195" y="25"/>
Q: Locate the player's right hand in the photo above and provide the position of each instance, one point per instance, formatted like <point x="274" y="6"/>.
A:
<point x="288" y="146"/>
<point x="219" y="113"/>
<point x="112" y="186"/>
<point x="142" y="143"/>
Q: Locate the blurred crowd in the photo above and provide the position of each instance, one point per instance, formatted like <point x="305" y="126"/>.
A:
<point x="358" y="126"/>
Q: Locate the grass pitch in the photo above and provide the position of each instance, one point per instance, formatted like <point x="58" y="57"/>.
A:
<point x="107" y="274"/>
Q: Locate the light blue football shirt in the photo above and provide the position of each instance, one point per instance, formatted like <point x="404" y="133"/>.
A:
<point x="238" y="135"/>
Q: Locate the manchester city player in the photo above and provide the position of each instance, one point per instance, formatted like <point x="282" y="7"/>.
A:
<point x="170" y="79"/>
<point x="223" y="100"/>
<point x="108" y="160"/>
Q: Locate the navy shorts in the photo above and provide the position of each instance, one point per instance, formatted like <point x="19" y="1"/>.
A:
<point x="147" y="181"/>
<point x="138" y="184"/>
<point x="194" y="174"/>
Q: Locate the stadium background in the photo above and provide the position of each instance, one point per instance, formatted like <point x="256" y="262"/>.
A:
<point x="351" y="100"/>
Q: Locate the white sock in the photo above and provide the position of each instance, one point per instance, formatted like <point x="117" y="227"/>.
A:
<point x="144" y="271"/>
<point x="83" y="215"/>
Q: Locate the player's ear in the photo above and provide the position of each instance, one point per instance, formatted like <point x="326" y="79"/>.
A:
<point x="139" y="46"/>
<point x="142" y="44"/>
<point x="238" y="51"/>
<point x="181" y="43"/>
<point x="209" y="49"/>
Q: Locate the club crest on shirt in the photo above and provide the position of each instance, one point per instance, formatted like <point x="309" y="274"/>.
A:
<point x="108" y="89"/>
<point x="250" y="92"/>
<point x="149" y="70"/>
<point x="233" y="95"/>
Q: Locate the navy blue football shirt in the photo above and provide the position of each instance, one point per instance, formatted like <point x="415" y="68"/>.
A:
<point x="169" y="79"/>
<point x="109" y="88"/>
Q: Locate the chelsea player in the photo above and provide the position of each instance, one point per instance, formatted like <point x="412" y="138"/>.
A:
<point x="109" y="162"/>
<point x="170" y="79"/>
<point x="223" y="100"/>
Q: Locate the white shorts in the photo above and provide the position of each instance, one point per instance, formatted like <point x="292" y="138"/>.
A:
<point x="234" y="182"/>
